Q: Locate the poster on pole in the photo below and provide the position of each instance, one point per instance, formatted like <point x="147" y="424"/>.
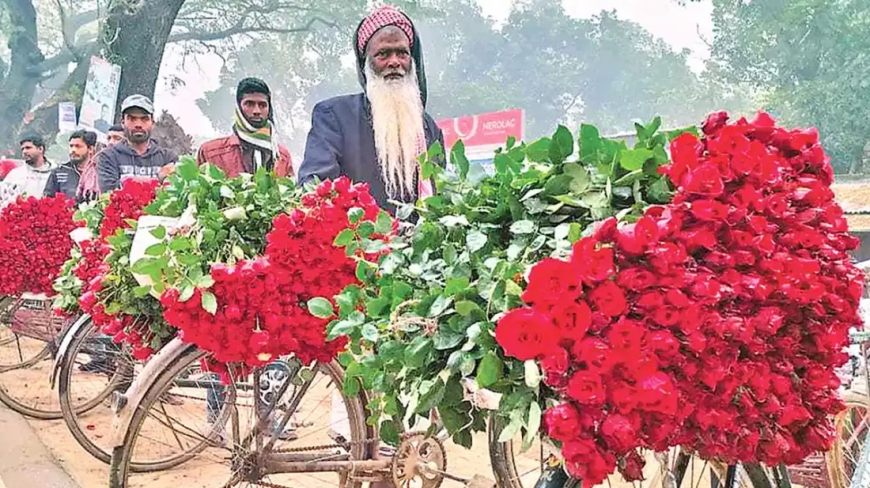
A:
<point x="66" y="117"/>
<point x="101" y="95"/>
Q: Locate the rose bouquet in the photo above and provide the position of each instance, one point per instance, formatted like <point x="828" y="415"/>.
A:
<point x="265" y="306"/>
<point x="715" y="322"/>
<point x="428" y="305"/>
<point x="34" y="243"/>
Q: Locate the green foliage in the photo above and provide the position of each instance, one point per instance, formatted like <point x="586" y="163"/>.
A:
<point x="230" y="215"/>
<point x="428" y="308"/>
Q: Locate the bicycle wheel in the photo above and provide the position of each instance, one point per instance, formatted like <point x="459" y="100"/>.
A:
<point x="27" y="348"/>
<point x="224" y="452"/>
<point x="514" y="469"/>
<point x="852" y="426"/>
<point x="93" y="367"/>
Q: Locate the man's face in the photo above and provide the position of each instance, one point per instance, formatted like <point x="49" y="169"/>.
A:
<point x="389" y="51"/>
<point x="79" y="152"/>
<point x="137" y="125"/>
<point x="31" y="153"/>
<point x="255" y="108"/>
<point x="114" y="137"/>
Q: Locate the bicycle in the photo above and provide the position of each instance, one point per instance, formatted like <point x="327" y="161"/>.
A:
<point x="255" y="458"/>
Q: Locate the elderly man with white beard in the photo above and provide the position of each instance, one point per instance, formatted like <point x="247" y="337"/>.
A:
<point x="376" y="137"/>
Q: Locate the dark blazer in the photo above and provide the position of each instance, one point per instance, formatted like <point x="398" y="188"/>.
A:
<point x="342" y="142"/>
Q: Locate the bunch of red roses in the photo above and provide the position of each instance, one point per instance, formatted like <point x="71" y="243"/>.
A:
<point x="34" y="243"/>
<point x="261" y="311"/>
<point x="715" y="322"/>
<point x="125" y="204"/>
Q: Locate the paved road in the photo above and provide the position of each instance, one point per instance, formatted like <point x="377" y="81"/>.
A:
<point x="24" y="460"/>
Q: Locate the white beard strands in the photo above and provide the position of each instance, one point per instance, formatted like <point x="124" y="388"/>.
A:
<point x="397" y="119"/>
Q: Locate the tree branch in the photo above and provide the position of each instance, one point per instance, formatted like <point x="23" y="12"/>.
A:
<point x="240" y="28"/>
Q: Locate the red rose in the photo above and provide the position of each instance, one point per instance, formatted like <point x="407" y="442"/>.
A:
<point x="552" y="281"/>
<point x="585" y="388"/>
<point x="608" y="298"/>
<point x="572" y="319"/>
<point x="705" y="180"/>
<point x="562" y="422"/>
<point x="619" y="434"/>
<point x="525" y="334"/>
<point x="715" y="122"/>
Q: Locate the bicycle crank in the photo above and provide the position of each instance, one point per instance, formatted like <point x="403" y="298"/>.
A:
<point x="421" y="459"/>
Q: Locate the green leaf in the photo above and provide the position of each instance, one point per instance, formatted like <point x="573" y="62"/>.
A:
<point x="384" y="223"/>
<point x="156" y="249"/>
<point x="511" y="288"/>
<point x="209" y="302"/>
<point x="633" y="159"/>
<point x="320" y="308"/>
<point x="180" y="244"/>
<point x="457" y="157"/>
<point x="418" y="351"/>
<point x="354" y="215"/>
<point x="466" y="308"/>
<point x="580" y="179"/>
<point x="159" y="232"/>
<point x="346" y="326"/>
<point x="186" y="293"/>
<point x="490" y="370"/>
<point x="456" y="285"/>
<point x="141" y="291"/>
<point x="575" y="232"/>
<point x="538" y="151"/>
<point x="370" y="332"/>
<point x="562" y="145"/>
<point x="590" y="141"/>
<point x="446" y="339"/>
<point x="629" y="178"/>
<point x="475" y="241"/>
<point x="378" y="307"/>
<point x="344" y="238"/>
<point x="511" y="429"/>
<point x="503" y="163"/>
<point x="187" y="170"/>
<point x="523" y="227"/>
<point x="439" y="306"/>
<point x="533" y="425"/>
<point x="558" y="185"/>
<point x="227" y="192"/>
<point x="431" y="395"/>
<point x="389" y="431"/>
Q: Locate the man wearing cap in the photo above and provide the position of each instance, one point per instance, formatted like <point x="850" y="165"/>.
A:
<point x="376" y="136"/>
<point x="139" y="156"/>
<point x="77" y="178"/>
<point x="251" y="146"/>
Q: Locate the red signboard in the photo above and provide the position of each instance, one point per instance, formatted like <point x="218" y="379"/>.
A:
<point x="489" y="129"/>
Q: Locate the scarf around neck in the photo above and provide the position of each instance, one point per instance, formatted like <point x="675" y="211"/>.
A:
<point x="260" y="138"/>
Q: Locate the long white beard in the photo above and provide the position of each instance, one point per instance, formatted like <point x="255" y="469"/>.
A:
<point x="397" y="119"/>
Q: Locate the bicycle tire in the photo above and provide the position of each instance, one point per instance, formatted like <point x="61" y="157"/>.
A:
<point x="508" y="476"/>
<point x="7" y="399"/>
<point x="71" y="415"/>
<point x="120" y="465"/>
<point x="835" y="457"/>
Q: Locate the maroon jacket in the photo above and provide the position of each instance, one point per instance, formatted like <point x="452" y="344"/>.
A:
<point x="226" y="154"/>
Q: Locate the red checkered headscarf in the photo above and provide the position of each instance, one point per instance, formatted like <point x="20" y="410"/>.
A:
<point x="380" y="18"/>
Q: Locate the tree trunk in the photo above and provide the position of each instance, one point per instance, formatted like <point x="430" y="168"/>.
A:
<point x="136" y="41"/>
<point x="19" y="83"/>
<point x="138" y="47"/>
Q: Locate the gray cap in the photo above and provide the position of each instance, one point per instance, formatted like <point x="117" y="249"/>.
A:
<point x="137" y="101"/>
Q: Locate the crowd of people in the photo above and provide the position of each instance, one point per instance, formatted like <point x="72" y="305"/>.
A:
<point x="374" y="136"/>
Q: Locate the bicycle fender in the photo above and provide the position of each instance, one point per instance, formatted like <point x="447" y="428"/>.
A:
<point x="124" y="405"/>
<point x="68" y="335"/>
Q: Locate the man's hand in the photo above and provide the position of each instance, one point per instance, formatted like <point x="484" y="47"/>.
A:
<point x="166" y="171"/>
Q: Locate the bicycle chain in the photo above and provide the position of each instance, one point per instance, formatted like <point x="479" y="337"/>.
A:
<point x="286" y="450"/>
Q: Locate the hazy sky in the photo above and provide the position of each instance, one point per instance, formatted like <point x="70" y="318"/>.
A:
<point x="677" y="25"/>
